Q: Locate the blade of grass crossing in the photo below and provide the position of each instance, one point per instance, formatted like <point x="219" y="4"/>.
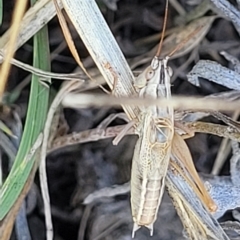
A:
<point x="36" y="116"/>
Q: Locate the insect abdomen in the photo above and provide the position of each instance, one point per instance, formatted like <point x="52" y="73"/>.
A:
<point x="146" y="195"/>
<point x="147" y="201"/>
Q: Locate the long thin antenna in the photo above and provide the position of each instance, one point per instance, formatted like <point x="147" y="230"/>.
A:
<point x="163" y="31"/>
<point x="180" y="45"/>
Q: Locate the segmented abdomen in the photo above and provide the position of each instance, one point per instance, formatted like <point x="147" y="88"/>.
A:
<point x="146" y="195"/>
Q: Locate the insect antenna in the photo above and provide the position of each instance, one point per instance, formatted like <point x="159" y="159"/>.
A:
<point x="181" y="44"/>
<point x="163" y="30"/>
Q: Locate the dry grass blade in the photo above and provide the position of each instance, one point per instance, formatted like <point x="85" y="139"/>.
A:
<point x="45" y="74"/>
<point x="17" y="16"/>
<point x="84" y="99"/>
<point x="178" y="36"/>
<point x="107" y="192"/>
<point x="197" y="222"/>
<point x="192" y="115"/>
<point x="226" y="9"/>
<point x="178" y="7"/>
<point x="233" y="229"/>
<point x="225" y="148"/>
<point x="68" y="37"/>
<point x="113" y="67"/>
<point x="226" y="190"/>
<point x="214" y="72"/>
<point x="229" y="121"/>
<point x="203" y="24"/>
<point x="197" y="12"/>
<point x="70" y="86"/>
<point x="34" y="19"/>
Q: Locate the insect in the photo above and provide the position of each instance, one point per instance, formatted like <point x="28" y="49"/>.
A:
<point x="154" y="147"/>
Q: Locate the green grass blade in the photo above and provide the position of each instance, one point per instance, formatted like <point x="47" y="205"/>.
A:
<point x="1" y="11"/>
<point x="5" y="129"/>
<point x="36" y="116"/>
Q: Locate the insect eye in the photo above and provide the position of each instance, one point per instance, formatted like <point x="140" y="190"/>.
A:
<point x="149" y="74"/>
<point x="170" y="71"/>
